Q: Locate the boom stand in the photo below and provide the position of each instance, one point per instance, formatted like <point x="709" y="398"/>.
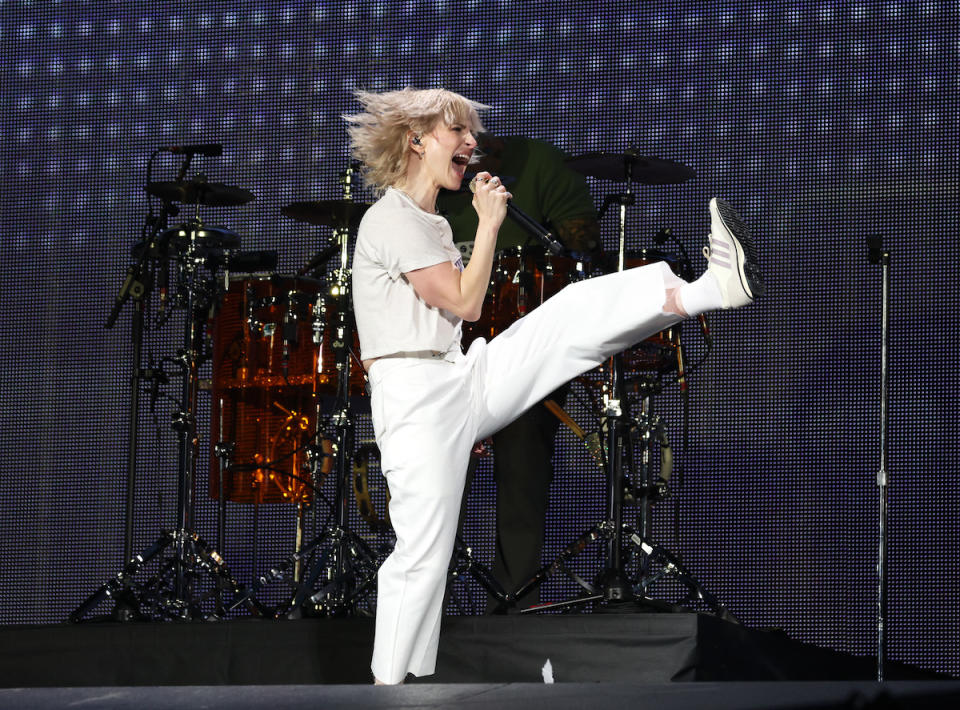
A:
<point x="347" y="563"/>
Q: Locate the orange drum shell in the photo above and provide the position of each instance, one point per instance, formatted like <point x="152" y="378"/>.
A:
<point x="658" y="352"/>
<point x="522" y="278"/>
<point x="266" y="392"/>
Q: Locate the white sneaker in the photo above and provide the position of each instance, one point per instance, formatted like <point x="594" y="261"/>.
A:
<point x="732" y="256"/>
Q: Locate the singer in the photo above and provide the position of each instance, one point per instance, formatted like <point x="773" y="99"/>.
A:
<point x="431" y="401"/>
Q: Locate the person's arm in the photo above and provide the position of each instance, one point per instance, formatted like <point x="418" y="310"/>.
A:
<point x="564" y="198"/>
<point x="462" y="292"/>
<point x="580" y="234"/>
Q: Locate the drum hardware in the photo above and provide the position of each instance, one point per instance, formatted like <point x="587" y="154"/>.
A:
<point x="319" y="259"/>
<point x="223" y="452"/>
<point x="463" y="563"/>
<point x="591" y="441"/>
<point x="622" y="544"/>
<point x="338" y="559"/>
<point x="174" y="590"/>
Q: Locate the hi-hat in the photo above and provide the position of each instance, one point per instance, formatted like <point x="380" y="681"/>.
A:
<point x="331" y="213"/>
<point x="177" y="239"/>
<point x="641" y="169"/>
<point x="200" y="192"/>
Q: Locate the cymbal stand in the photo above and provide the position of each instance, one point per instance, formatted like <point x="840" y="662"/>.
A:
<point x="346" y="563"/>
<point x="613" y="584"/>
<point x="172" y="591"/>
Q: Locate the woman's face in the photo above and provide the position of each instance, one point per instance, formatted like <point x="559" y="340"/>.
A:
<point x="446" y="151"/>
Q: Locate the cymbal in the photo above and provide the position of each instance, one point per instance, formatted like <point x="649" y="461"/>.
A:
<point x="210" y="237"/>
<point x="212" y="194"/>
<point x="332" y="213"/>
<point x="643" y="169"/>
<point x="176" y="239"/>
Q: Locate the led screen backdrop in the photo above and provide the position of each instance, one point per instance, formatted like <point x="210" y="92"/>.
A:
<point x="823" y="122"/>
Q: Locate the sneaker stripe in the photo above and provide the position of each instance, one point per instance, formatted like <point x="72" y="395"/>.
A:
<point x="721" y="247"/>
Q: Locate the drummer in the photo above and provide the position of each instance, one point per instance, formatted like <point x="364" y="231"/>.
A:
<point x="553" y="194"/>
<point x="431" y="401"/>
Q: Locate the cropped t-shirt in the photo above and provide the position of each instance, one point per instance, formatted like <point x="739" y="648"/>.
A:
<point x="395" y="237"/>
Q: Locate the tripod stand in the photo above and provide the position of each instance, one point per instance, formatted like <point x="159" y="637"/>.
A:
<point x="174" y="591"/>
<point x="622" y="544"/>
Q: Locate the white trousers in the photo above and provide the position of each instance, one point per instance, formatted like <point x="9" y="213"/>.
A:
<point x="427" y="414"/>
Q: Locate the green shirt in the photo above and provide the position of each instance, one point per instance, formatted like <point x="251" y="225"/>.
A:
<point x="542" y="185"/>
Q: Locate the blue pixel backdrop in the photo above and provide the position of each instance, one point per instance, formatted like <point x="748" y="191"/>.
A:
<point x="822" y="122"/>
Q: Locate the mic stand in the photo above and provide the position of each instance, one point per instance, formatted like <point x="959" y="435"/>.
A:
<point x="878" y="255"/>
<point x="138" y="284"/>
<point x="347" y="562"/>
<point x="612" y="585"/>
<point x="613" y="581"/>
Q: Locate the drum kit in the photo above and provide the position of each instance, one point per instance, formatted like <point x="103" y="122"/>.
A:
<point x="285" y="379"/>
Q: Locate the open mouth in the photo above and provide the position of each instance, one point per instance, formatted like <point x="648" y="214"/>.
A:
<point x="461" y="159"/>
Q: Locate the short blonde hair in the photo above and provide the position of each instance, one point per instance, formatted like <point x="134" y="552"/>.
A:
<point x="378" y="135"/>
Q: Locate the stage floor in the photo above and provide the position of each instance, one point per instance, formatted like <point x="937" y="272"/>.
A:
<point x="645" y="648"/>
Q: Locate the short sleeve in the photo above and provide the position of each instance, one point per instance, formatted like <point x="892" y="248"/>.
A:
<point x="405" y="243"/>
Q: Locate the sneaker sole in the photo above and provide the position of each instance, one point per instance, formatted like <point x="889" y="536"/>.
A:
<point x="746" y="248"/>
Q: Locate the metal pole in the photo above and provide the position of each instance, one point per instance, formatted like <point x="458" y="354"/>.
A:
<point x="882" y="472"/>
<point x="133" y="424"/>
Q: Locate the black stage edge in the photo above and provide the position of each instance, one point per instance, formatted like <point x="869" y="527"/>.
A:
<point x="787" y="695"/>
<point x="612" y="648"/>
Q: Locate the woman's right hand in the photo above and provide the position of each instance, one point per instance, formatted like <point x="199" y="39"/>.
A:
<point x="489" y="199"/>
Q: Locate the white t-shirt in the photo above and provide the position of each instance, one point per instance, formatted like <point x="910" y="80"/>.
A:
<point x="396" y="236"/>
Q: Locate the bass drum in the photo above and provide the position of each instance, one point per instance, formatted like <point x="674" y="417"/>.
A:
<point x="273" y="360"/>
<point x="522" y="278"/>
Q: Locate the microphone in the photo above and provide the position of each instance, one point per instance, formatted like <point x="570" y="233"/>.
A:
<point x="211" y="150"/>
<point x="528" y="223"/>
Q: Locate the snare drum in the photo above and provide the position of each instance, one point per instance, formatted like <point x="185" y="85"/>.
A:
<point x="522" y="278"/>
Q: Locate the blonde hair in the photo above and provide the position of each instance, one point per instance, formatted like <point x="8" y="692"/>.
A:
<point x="379" y="135"/>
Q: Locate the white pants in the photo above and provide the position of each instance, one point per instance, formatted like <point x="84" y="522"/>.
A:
<point x="427" y="414"/>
